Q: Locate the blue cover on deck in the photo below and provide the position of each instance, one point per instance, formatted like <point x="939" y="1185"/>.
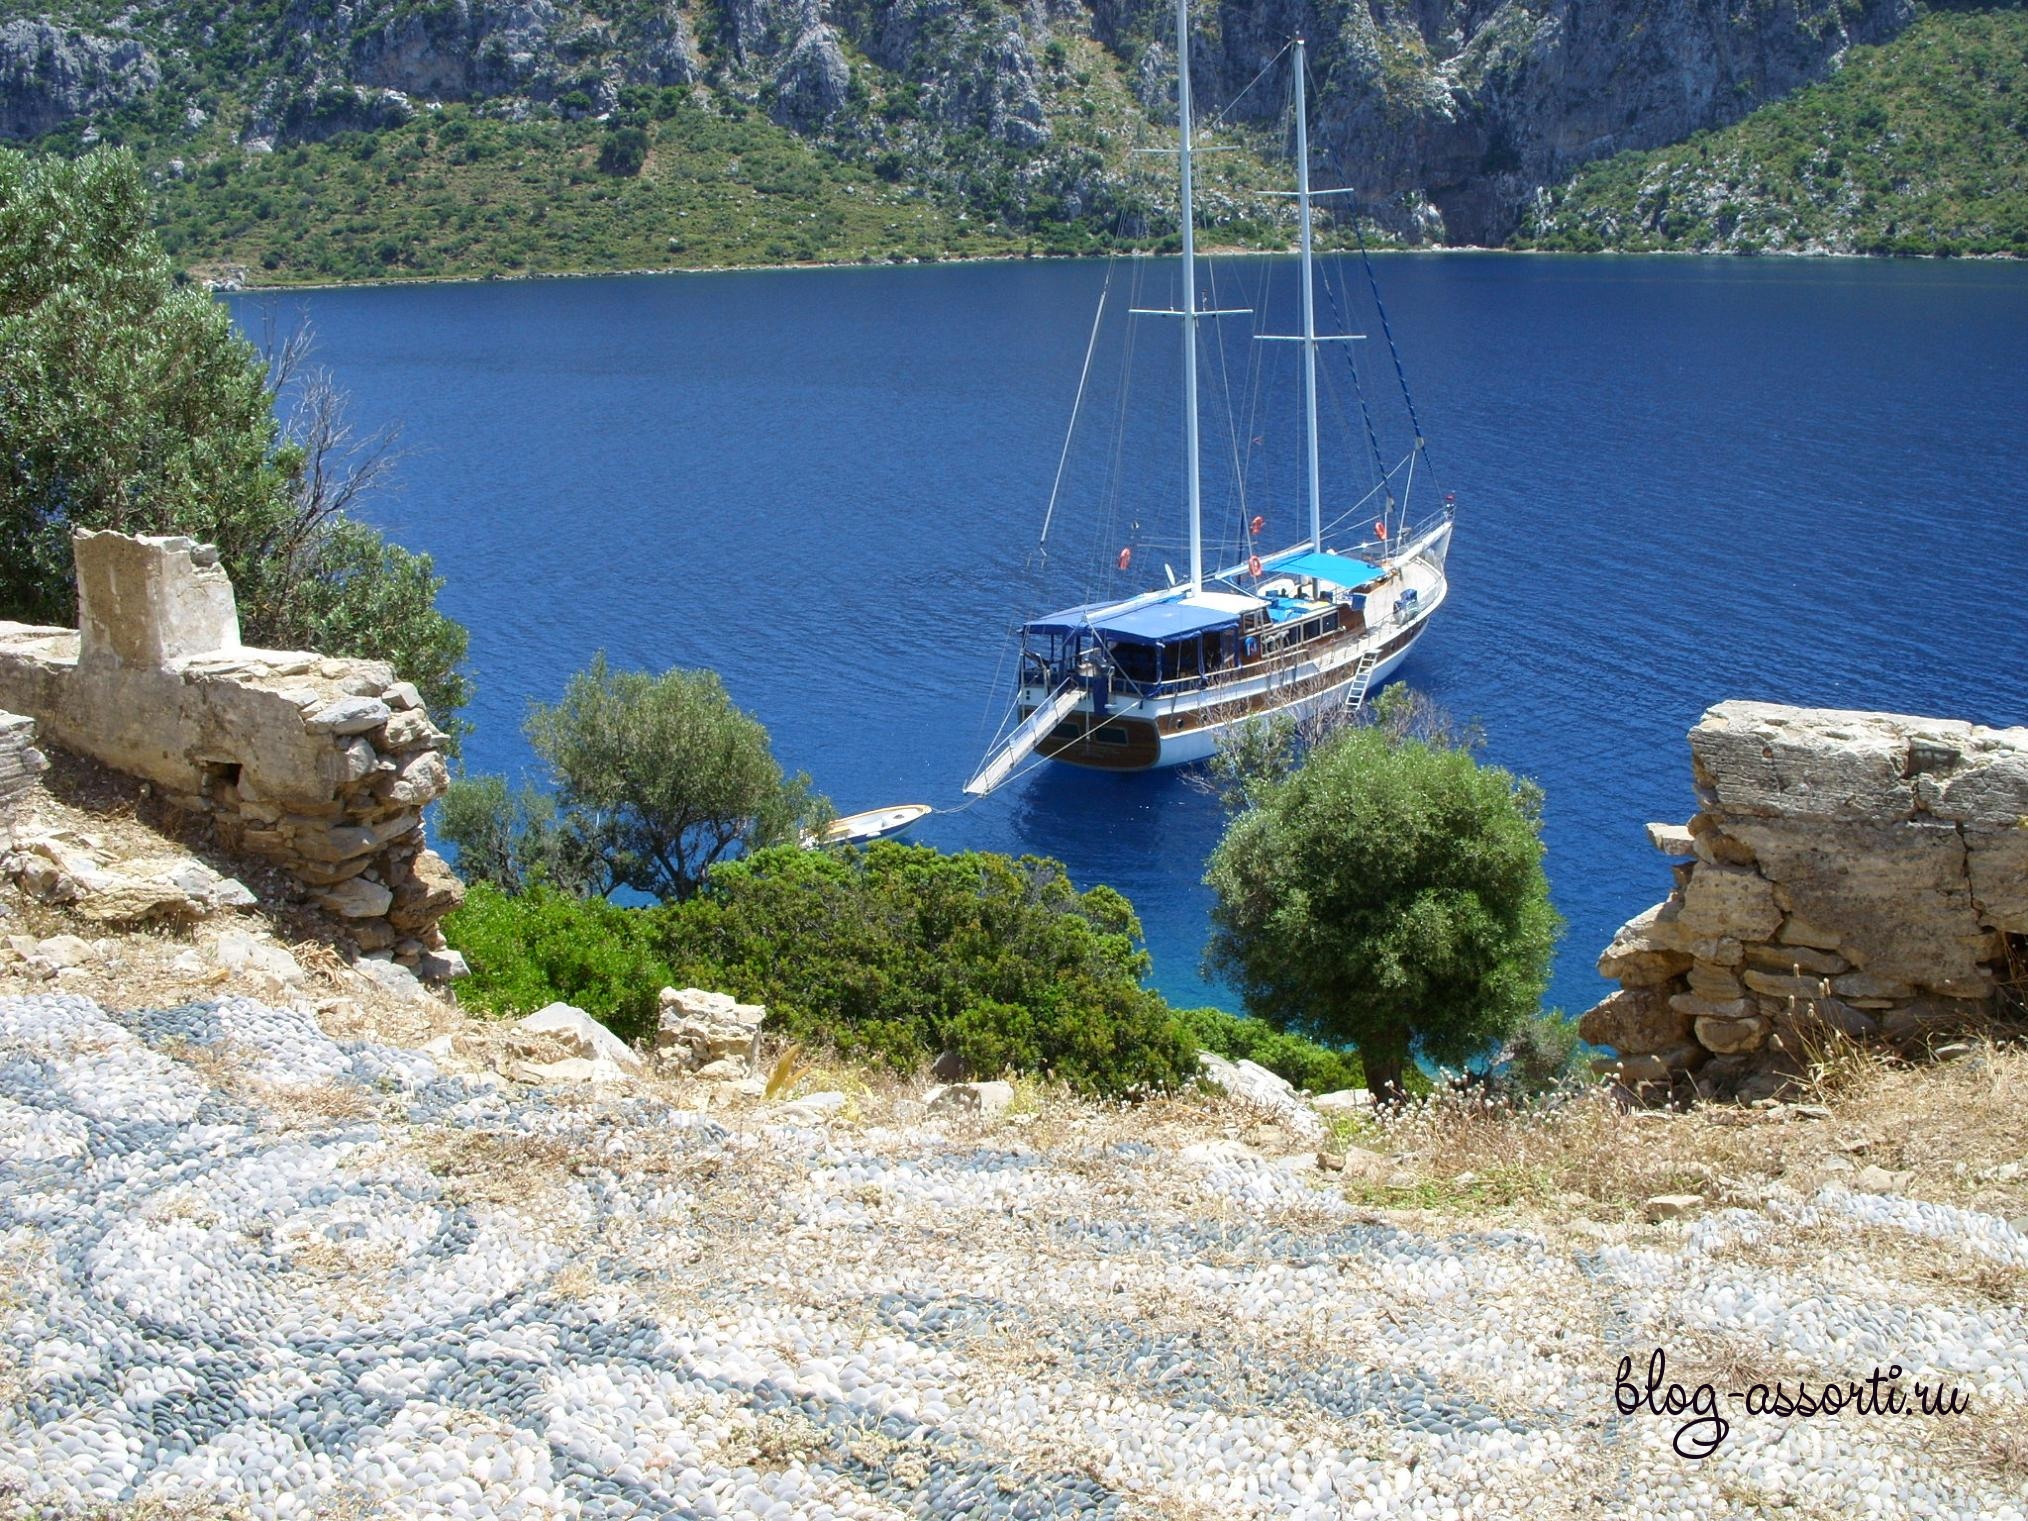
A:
<point x="1152" y="621"/>
<point x="1339" y="570"/>
<point x="1167" y="620"/>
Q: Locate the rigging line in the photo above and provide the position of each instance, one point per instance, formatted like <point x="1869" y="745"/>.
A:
<point x="1371" y="492"/>
<point x="1077" y="406"/>
<point x="1248" y="86"/>
<point x="1109" y="500"/>
<point x="1358" y="390"/>
<point x="1257" y="380"/>
<point x="1225" y="387"/>
<point x="1373" y="282"/>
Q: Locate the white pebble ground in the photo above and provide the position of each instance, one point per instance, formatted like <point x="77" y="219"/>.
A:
<point x="251" y="1266"/>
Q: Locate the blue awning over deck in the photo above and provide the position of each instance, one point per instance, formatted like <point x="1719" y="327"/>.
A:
<point x="1339" y="570"/>
<point x="1159" y="621"/>
<point x="1151" y="622"/>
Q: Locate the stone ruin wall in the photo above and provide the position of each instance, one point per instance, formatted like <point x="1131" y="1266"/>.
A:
<point x="21" y="764"/>
<point x="1858" y="873"/>
<point x="322" y="766"/>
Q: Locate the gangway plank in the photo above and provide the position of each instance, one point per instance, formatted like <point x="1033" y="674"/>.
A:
<point x="1022" y="742"/>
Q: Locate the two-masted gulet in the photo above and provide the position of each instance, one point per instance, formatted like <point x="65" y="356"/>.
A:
<point x="1153" y="680"/>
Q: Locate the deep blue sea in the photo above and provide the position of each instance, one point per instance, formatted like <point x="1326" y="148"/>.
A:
<point x="1678" y="481"/>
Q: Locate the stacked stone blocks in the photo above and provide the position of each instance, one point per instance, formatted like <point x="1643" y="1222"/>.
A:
<point x="323" y="766"/>
<point x="1862" y="875"/>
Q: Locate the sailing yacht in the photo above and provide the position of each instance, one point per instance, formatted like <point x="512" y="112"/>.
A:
<point x="1153" y="680"/>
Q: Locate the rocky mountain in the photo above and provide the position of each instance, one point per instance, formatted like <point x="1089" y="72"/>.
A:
<point x="1448" y="117"/>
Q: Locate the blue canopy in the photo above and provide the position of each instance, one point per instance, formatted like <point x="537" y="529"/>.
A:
<point x="1158" y="621"/>
<point x="1339" y="570"/>
<point x="1151" y="622"/>
<point x="1069" y="621"/>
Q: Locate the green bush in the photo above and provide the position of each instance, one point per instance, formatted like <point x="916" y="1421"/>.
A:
<point x="889" y="957"/>
<point x="532" y="950"/>
<point x="623" y="152"/>
<point x="1238" y="1037"/>
<point x="900" y="952"/>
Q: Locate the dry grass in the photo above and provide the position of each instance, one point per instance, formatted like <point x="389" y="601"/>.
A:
<point x="1960" y="1127"/>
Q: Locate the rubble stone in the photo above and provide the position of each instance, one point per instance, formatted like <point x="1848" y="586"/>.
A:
<point x="698" y="1027"/>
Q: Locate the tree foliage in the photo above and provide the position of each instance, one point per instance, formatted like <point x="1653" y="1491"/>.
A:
<point x="1386" y="892"/>
<point x="657" y="778"/>
<point x="127" y="401"/>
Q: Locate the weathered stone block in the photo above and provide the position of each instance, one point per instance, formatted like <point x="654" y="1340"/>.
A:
<point x="1796" y="959"/>
<point x="1690" y="1006"/>
<point x="1785" y="984"/>
<point x="1732" y="1036"/>
<point x="357" y="898"/>
<point x="1634" y="1020"/>
<point x="1672" y="840"/>
<point x="147" y="602"/>
<point x="348" y="715"/>
<point x="1762" y="759"/>
<point x="699" y="1027"/>
<point x="1635" y="960"/>
<point x="1732" y="901"/>
<point x="1716" y="983"/>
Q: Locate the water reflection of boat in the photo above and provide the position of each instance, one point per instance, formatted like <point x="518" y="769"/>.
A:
<point x="1150" y="680"/>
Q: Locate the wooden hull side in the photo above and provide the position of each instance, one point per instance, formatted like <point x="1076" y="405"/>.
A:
<point x="1112" y="744"/>
<point x="1191" y="734"/>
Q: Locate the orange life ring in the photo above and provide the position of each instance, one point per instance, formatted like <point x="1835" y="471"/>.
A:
<point x="1253" y="566"/>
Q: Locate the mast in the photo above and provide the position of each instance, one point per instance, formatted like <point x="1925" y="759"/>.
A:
<point x="1309" y="302"/>
<point x="1190" y="462"/>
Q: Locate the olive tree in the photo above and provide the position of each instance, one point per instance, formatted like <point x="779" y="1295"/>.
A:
<point x="127" y="401"/>
<point x="656" y="778"/>
<point x="1385" y="891"/>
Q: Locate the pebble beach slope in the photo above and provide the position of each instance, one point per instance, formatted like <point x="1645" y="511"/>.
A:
<point x="253" y="1267"/>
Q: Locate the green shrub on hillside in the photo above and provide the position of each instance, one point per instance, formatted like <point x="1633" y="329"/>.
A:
<point x="544" y="945"/>
<point x="1918" y="146"/>
<point x="891" y="957"/>
<point x="897" y="953"/>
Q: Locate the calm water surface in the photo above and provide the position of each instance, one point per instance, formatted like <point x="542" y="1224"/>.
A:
<point x="1679" y="481"/>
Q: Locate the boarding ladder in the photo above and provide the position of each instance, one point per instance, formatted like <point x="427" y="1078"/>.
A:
<point x="1362" y="680"/>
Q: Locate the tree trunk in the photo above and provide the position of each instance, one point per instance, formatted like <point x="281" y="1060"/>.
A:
<point x="1385" y="1061"/>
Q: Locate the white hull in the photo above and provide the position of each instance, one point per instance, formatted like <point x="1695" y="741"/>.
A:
<point x="1176" y="728"/>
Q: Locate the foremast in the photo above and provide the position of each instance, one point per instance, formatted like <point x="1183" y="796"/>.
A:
<point x="1309" y="302"/>
<point x="1191" y="471"/>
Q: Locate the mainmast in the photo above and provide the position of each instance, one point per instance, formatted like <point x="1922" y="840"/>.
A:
<point x="1190" y="461"/>
<point x="1309" y="302"/>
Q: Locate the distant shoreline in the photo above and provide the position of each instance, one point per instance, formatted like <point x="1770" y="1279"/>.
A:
<point x="1037" y="258"/>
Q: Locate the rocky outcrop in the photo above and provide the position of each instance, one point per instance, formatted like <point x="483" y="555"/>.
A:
<point x="813" y="82"/>
<point x="1448" y="118"/>
<point x="1862" y="875"/>
<point x="321" y="766"/>
<point x="460" y="50"/>
<point x="50" y="75"/>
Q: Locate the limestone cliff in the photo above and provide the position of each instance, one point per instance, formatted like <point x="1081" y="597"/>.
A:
<point x="1447" y="116"/>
